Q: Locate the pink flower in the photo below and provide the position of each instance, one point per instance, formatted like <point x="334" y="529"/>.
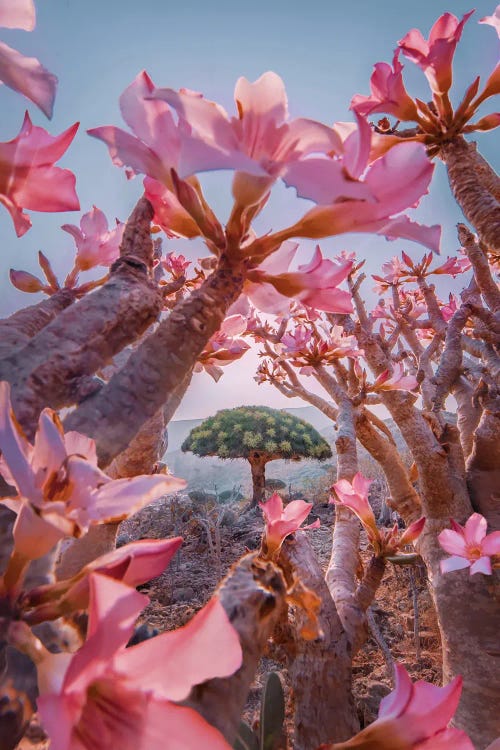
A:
<point x="106" y="695"/>
<point x="453" y="266"/>
<point x="354" y="495"/>
<point x="396" y="181"/>
<point x="17" y="14"/>
<point x="175" y="265"/>
<point x="133" y="564"/>
<point x="270" y="286"/>
<point x="260" y="142"/>
<point x="96" y="244"/>
<point x="493" y="20"/>
<point x="61" y="490"/>
<point x="388" y="93"/>
<point x="469" y="546"/>
<point x="296" y="340"/>
<point x="435" y="55"/>
<point x="25" y="74"/>
<point x="29" y="179"/>
<point x="415" y="716"/>
<point x="224" y="347"/>
<point x="281" y="522"/>
<point x="395" y="381"/>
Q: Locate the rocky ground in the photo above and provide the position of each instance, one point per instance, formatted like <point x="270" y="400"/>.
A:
<point x="214" y="538"/>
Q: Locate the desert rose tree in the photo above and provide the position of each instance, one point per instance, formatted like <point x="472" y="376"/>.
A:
<point x="260" y="435"/>
<point x="161" y="325"/>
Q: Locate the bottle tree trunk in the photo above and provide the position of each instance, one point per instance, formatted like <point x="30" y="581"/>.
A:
<point x="258" y="467"/>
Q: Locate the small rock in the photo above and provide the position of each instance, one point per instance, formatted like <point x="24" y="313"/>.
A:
<point x="184" y="594"/>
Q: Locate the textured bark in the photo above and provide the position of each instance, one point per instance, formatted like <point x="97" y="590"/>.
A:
<point x="344" y="560"/>
<point x="442" y="491"/>
<point x="370" y="582"/>
<point x="483" y="467"/>
<point x="478" y="204"/>
<point x="321" y="669"/>
<point x="253" y="595"/>
<point x="155" y="369"/>
<point x="451" y="360"/>
<point x="85" y="336"/>
<point x="21" y="326"/>
<point x="468" y="414"/>
<point x="404" y="497"/>
<point x="469" y="618"/>
<point x="258" y="468"/>
<point x="482" y="270"/>
<point x="74" y="554"/>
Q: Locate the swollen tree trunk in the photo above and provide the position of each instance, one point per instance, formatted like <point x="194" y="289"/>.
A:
<point x="320" y="669"/>
<point x="258" y="467"/>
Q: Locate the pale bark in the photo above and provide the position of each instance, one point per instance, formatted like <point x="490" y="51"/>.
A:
<point x="155" y="369"/>
<point x="469" y="622"/>
<point x="253" y="595"/>
<point x="472" y="193"/>
<point x="21" y="326"/>
<point x="85" y="336"/>
<point x="320" y="669"/>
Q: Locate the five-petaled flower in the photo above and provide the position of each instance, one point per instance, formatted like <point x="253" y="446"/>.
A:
<point x="354" y="495"/>
<point x="60" y="489"/>
<point x="28" y="178"/>
<point x="469" y="546"/>
<point x="109" y="696"/>
<point x="414" y="716"/>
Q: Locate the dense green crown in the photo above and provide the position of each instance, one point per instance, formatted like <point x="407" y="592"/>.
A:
<point x="237" y="433"/>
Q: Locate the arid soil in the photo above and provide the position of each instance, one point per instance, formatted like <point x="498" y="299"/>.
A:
<point x="203" y="559"/>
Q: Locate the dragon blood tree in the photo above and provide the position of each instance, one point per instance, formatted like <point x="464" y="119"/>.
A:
<point x="158" y="321"/>
<point x="260" y="435"/>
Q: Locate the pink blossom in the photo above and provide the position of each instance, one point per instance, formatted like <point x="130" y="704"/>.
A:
<point x="281" y="522"/>
<point x="133" y="564"/>
<point x="29" y="179"/>
<point x="25" y="75"/>
<point x="354" y="495"/>
<point x="395" y="381"/>
<point x="270" y="286"/>
<point x="469" y="546"/>
<point x="452" y="266"/>
<point x="17" y="14"/>
<point x="388" y="93"/>
<point x="493" y="20"/>
<point x="449" y="309"/>
<point x="60" y="489"/>
<point x="435" y="55"/>
<point x="296" y="340"/>
<point x="396" y="181"/>
<point x="96" y="244"/>
<point x="261" y="141"/>
<point x="224" y="347"/>
<point x="176" y="265"/>
<point x="415" y="716"/>
<point x="106" y="695"/>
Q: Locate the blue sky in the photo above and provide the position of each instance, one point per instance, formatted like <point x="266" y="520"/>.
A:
<point x="324" y="51"/>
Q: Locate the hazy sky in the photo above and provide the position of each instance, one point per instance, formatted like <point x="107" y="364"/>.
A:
<point x="324" y="51"/>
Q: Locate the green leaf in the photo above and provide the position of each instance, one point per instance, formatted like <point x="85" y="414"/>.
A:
<point x="272" y="713"/>
<point x="246" y="739"/>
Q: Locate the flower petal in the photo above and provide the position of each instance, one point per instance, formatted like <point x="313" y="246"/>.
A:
<point x="170" y="664"/>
